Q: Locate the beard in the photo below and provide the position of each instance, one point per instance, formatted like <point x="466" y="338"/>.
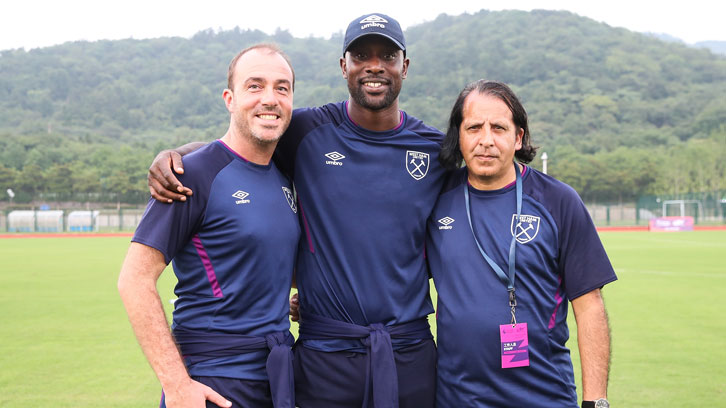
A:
<point x="359" y="96"/>
<point x="265" y="141"/>
<point x="260" y="136"/>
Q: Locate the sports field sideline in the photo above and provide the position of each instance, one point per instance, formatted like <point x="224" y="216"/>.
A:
<point x="66" y="342"/>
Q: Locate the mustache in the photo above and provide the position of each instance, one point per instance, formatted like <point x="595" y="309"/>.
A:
<point x="375" y="79"/>
<point x="274" y="111"/>
<point x="486" y="152"/>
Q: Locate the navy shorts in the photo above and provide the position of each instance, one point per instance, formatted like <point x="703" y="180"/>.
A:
<point x="337" y="379"/>
<point x="242" y="393"/>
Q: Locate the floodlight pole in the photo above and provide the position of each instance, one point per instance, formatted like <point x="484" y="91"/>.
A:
<point x="544" y="162"/>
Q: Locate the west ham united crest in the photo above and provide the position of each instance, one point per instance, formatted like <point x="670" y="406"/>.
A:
<point x="417" y="164"/>
<point x="526" y="229"/>
<point x="290" y="197"/>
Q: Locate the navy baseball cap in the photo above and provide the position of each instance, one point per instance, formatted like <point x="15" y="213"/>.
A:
<point x="374" y="23"/>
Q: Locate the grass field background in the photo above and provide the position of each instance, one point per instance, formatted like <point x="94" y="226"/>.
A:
<point x="65" y="340"/>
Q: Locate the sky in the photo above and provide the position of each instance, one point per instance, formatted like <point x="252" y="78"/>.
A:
<point x="40" y="23"/>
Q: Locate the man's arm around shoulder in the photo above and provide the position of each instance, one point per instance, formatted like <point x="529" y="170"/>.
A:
<point x="163" y="184"/>
<point x="137" y="286"/>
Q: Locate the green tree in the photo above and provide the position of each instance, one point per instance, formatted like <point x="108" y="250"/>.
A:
<point x="85" y="179"/>
<point x="59" y="179"/>
<point x="31" y="180"/>
<point x="8" y="176"/>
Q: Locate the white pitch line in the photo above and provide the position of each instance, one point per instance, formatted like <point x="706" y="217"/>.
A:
<point x="666" y="273"/>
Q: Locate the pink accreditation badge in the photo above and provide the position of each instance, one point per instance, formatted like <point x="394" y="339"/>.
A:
<point x="515" y="345"/>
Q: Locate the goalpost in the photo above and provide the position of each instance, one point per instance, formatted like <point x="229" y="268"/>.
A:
<point x="695" y="206"/>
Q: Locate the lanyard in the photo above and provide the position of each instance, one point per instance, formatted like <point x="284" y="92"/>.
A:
<point x="507" y="279"/>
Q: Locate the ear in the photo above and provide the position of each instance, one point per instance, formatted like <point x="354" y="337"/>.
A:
<point x="404" y="71"/>
<point x="228" y="97"/>
<point x="518" y="141"/>
<point x="344" y="66"/>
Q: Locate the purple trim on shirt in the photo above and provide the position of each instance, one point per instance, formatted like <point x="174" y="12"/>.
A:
<point x="524" y="171"/>
<point x="558" y="300"/>
<point x="400" y="119"/>
<point x="233" y="152"/>
<point x="305" y="223"/>
<point x="207" y="266"/>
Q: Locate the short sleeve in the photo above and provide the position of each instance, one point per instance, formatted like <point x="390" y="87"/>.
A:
<point x="584" y="264"/>
<point x="169" y="227"/>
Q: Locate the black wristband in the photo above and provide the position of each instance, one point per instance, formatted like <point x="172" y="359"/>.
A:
<point x="588" y="404"/>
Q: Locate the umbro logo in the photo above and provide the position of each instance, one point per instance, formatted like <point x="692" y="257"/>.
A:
<point x="241" y="197"/>
<point x="335" y="158"/>
<point x="446" y="223"/>
<point x="373" y="21"/>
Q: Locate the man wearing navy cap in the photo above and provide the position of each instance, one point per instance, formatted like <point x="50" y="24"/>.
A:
<point x="367" y="177"/>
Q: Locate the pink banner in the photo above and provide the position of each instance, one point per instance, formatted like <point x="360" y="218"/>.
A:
<point x="671" y="224"/>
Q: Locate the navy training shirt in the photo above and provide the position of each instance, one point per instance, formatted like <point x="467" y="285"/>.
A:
<point x="559" y="257"/>
<point x="364" y="199"/>
<point x="232" y="245"/>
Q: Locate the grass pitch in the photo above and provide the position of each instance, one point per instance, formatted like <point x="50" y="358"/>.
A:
<point x="667" y="319"/>
<point x="66" y="342"/>
<point x="65" y="339"/>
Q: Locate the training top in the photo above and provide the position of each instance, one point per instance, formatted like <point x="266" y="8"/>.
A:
<point x="364" y="199"/>
<point x="232" y="245"/>
<point x="559" y="257"/>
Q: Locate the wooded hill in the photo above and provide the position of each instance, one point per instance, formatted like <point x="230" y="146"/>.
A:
<point x="620" y="114"/>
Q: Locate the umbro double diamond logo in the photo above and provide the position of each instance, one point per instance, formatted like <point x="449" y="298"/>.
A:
<point x="446" y="223"/>
<point x="241" y="197"/>
<point x="373" y="21"/>
<point x="335" y="159"/>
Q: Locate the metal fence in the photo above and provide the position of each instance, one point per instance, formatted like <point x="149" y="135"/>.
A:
<point x="705" y="208"/>
<point x="66" y="220"/>
<point x="124" y="220"/>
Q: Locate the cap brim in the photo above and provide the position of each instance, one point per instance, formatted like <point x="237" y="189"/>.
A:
<point x="398" y="44"/>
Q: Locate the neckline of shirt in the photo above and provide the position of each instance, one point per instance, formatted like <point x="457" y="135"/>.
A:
<point x="507" y="188"/>
<point x="382" y="132"/>
<point x="243" y="159"/>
